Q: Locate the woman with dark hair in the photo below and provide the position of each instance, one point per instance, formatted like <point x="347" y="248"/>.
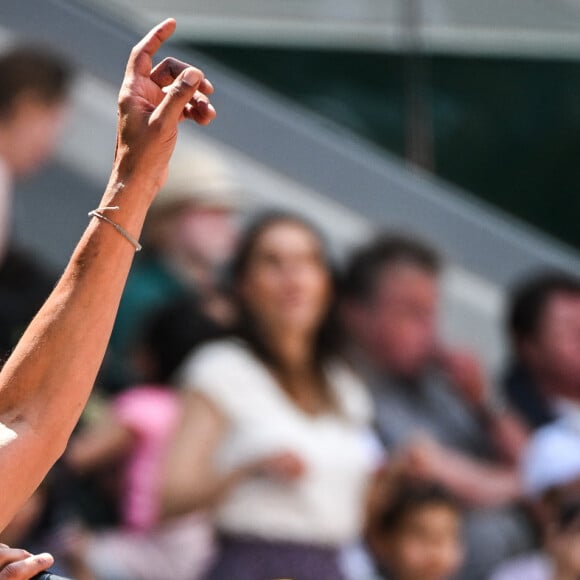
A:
<point x="272" y="433"/>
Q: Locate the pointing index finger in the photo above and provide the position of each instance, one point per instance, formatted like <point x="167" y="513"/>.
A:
<point x="140" y="60"/>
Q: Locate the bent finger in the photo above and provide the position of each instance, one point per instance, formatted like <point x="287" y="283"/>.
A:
<point x="199" y="93"/>
<point x="179" y="93"/>
<point x="8" y="555"/>
<point x="27" y="568"/>
<point x="165" y="73"/>
<point x="199" y="109"/>
<point x="140" y="60"/>
<point x="203" y="113"/>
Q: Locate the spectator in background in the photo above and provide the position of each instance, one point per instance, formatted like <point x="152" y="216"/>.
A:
<point x="433" y="405"/>
<point x="136" y="433"/>
<point x="272" y="433"/>
<point x="416" y="532"/>
<point x="189" y="235"/>
<point x="34" y="86"/>
<point x="551" y="475"/>
<point x="543" y="381"/>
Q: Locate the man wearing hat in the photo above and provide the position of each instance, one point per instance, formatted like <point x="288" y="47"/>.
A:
<point x="188" y="237"/>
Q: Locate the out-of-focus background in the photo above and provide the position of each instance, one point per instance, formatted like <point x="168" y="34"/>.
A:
<point x="455" y="118"/>
<point x="449" y="127"/>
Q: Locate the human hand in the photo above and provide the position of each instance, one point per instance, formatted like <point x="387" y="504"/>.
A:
<point x="422" y="459"/>
<point x="152" y="103"/>
<point x="466" y="374"/>
<point x="20" y="564"/>
<point x="283" y="466"/>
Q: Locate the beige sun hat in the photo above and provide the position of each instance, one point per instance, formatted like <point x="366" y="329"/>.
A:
<point x="200" y="177"/>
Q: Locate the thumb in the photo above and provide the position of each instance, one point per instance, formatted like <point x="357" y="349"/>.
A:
<point x="178" y="94"/>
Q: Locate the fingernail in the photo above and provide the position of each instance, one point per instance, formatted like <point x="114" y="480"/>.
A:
<point x="191" y="77"/>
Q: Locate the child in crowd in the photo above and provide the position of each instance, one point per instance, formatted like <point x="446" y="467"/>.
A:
<point x="135" y="433"/>
<point x="417" y="533"/>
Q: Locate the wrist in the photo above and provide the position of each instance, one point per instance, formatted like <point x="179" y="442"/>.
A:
<point x="124" y="207"/>
<point x="144" y="184"/>
<point x="133" y="194"/>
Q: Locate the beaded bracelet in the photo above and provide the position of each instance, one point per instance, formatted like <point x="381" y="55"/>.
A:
<point x="97" y="213"/>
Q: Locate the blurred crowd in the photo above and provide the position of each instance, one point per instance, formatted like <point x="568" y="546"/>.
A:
<point x="262" y="413"/>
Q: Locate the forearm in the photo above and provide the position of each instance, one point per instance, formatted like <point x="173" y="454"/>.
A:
<point x="47" y="380"/>
<point x="509" y="435"/>
<point x="480" y="484"/>
<point x="99" y="445"/>
<point x="205" y="493"/>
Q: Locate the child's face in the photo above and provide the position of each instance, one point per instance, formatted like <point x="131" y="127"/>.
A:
<point x="426" y="545"/>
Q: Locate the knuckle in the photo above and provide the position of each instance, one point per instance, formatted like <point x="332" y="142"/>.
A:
<point x="124" y="99"/>
<point x="179" y="89"/>
<point x="11" y="571"/>
<point x="169" y="67"/>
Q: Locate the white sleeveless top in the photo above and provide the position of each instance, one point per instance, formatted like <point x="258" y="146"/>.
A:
<point x="325" y="506"/>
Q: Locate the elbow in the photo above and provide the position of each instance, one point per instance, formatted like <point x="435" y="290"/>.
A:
<point x="177" y="500"/>
<point x="47" y="439"/>
<point x="28" y="451"/>
<point x="45" y="432"/>
<point x="41" y="438"/>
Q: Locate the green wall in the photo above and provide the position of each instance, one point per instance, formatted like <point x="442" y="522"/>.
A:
<point x="506" y="130"/>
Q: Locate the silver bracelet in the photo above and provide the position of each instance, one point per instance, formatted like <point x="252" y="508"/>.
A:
<point x="97" y="213"/>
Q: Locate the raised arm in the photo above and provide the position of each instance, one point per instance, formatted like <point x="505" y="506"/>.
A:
<point x="45" y="383"/>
